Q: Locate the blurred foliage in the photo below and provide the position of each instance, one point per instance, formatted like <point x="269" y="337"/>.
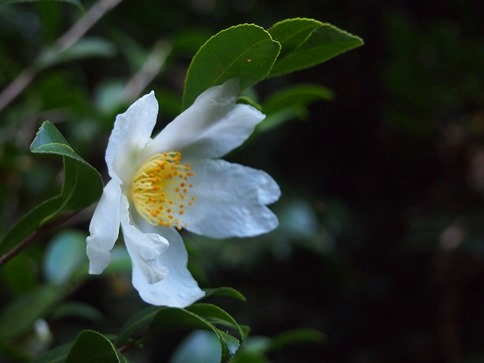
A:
<point x="381" y="240"/>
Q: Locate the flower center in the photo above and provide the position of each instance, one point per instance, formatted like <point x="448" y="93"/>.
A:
<point x="160" y="189"/>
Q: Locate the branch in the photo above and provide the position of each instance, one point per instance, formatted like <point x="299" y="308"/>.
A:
<point x="42" y="231"/>
<point x="70" y="37"/>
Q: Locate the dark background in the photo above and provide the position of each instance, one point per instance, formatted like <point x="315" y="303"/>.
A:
<point x="382" y="222"/>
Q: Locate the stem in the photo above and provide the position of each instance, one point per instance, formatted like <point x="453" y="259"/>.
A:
<point x="43" y="230"/>
<point x="65" y="41"/>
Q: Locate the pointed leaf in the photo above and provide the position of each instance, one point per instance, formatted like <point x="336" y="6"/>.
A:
<point x="170" y="319"/>
<point x="246" y="52"/>
<point x="292" y="33"/>
<point x="82" y="186"/>
<point x="324" y="43"/>
<point x="163" y="319"/>
<point x="216" y="315"/>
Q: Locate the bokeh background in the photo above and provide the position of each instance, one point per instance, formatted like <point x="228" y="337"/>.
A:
<point x="381" y="237"/>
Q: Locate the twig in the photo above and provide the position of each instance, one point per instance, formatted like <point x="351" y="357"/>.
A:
<point x="152" y="66"/>
<point x="70" y="37"/>
<point x="34" y="236"/>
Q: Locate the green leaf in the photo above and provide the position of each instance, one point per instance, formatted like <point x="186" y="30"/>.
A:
<point x="156" y="319"/>
<point x="216" y="315"/>
<point x="246" y="52"/>
<point x="310" y="44"/>
<point x="19" y="316"/>
<point x="82" y="186"/>
<point x="291" y="33"/>
<point x="93" y="347"/>
<point x="73" y="2"/>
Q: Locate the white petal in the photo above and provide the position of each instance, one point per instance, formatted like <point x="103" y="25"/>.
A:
<point x="178" y="288"/>
<point x="131" y="133"/>
<point x="230" y="200"/>
<point x="211" y="127"/>
<point x="104" y="228"/>
<point x="143" y="247"/>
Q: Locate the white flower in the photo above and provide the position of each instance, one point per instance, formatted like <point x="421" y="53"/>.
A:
<point x="175" y="180"/>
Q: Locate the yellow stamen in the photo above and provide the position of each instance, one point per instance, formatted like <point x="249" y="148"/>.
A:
<point x="159" y="188"/>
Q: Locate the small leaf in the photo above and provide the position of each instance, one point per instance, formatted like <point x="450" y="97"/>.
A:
<point x="93" y="347"/>
<point x="246" y="52"/>
<point x="82" y="186"/>
<point x="324" y="42"/>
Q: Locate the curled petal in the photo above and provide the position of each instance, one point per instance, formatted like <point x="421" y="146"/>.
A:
<point x="211" y="127"/>
<point x="178" y="288"/>
<point x="143" y="248"/>
<point x="231" y="200"/>
<point x="104" y="228"/>
<point x="131" y="133"/>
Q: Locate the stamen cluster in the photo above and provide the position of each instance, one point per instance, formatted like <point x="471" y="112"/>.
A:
<point x="160" y="189"/>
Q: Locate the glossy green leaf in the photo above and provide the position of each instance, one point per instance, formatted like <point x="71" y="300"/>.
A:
<point x="246" y="52"/>
<point x="82" y="186"/>
<point x="217" y="316"/>
<point x="93" y="347"/>
<point x="316" y="44"/>
<point x="19" y="316"/>
<point x="164" y="319"/>
<point x="292" y="33"/>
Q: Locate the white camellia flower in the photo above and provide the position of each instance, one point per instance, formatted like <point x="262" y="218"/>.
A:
<point x="176" y="180"/>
